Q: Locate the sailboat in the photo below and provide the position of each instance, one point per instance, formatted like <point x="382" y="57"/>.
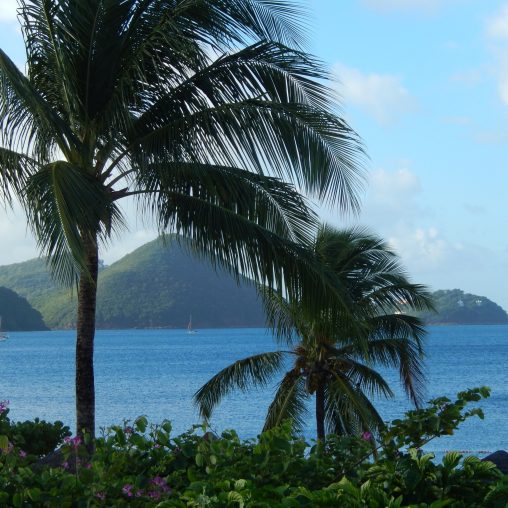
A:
<point x="189" y="326"/>
<point x="3" y="335"/>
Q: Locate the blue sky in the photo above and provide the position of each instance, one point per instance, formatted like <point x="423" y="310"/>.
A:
<point x="425" y="83"/>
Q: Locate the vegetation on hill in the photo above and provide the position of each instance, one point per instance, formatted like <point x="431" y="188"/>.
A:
<point x="456" y="307"/>
<point x="155" y="286"/>
<point x="161" y="285"/>
<point x="32" y="280"/>
<point x="17" y="314"/>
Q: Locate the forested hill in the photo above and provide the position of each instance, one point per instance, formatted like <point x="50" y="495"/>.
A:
<point x="456" y="307"/>
<point x="155" y="286"/>
<point x="161" y="285"/>
<point x="17" y="314"/>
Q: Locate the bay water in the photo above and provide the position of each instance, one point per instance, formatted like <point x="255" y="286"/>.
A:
<point x="156" y="372"/>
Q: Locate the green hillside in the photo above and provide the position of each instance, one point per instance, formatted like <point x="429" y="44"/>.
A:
<point x="456" y="307"/>
<point x="155" y="286"/>
<point x="161" y="285"/>
<point x="17" y="314"/>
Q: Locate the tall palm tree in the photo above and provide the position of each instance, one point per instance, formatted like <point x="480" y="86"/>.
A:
<point x="197" y="109"/>
<point x="333" y="357"/>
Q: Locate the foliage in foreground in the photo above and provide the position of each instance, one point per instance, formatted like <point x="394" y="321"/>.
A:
<point x="36" y="438"/>
<point x="140" y="465"/>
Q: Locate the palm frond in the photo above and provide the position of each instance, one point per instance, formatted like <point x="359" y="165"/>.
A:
<point x="395" y="340"/>
<point x="283" y="317"/>
<point x="289" y="402"/>
<point x="245" y="245"/>
<point x="265" y="201"/>
<point x="347" y="409"/>
<point x="363" y="377"/>
<point x="15" y="169"/>
<point x="28" y="121"/>
<point x="252" y="371"/>
<point x="291" y="140"/>
<point x="342" y="416"/>
<point x="64" y="204"/>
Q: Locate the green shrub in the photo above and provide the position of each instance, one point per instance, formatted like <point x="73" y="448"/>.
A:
<point x="36" y="437"/>
<point x="143" y="465"/>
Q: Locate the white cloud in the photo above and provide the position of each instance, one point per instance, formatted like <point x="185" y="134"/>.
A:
<point x="380" y="95"/>
<point x="391" y="204"/>
<point x="16" y="240"/>
<point x="8" y="10"/>
<point x="496" y="30"/>
<point x="497" y="25"/>
<point x="429" y="252"/>
<point x="423" y="247"/>
<point x="393" y="187"/>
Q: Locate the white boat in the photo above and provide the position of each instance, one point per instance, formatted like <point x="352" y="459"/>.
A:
<point x="189" y="326"/>
<point x="3" y="335"/>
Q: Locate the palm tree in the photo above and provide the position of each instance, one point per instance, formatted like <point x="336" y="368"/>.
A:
<point x="333" y="355"/>
<point x="197" y="109"/>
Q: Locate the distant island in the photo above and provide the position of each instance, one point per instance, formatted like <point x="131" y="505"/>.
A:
<point x="17" y="314"/>
<point x="455" y="307"/>
<point x="160" y="285"/>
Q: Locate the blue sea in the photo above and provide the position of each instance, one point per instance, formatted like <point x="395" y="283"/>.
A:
<point x="156" y="372"/>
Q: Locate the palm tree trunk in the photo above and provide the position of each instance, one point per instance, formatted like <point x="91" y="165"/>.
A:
<point x="85" y="333"/>
<point x="320" y="412"/>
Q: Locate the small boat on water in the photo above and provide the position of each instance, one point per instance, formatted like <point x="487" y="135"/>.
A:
<point x="3" y="335"/>
<point x="189" y="326"/>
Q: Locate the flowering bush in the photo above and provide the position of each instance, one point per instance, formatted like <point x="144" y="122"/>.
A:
<point x="141" y="465"/>
<point x="36" y="437"/>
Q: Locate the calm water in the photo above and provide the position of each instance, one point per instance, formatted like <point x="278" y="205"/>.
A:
<point x="156" y="372"/>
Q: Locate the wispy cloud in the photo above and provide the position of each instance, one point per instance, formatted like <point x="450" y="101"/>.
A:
<point x="382" y="96"/>
<point x="497" y="24"/>
<point x="17" y="242"/>
<point x="458" y="120"/>
<point x="496" y="30"/>
<point x="470" y="77"/>
<point x="474" y="209"/>
<point x="393" y="187"/>
<point x="8" y="10"/>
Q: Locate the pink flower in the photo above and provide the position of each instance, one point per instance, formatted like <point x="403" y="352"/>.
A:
<point x="22" y="454"/>
<point x="161" y="483"/>
<point x="4" y="404"/>
<point x="140" y="493"/>
<point x="158" y="480"/>
<point x="100" y="495"/>
<point x="65" y="465"/>
<point x="74" y="441"/>
<point x="367" y="436"/>
<point x="127" y="489"/>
